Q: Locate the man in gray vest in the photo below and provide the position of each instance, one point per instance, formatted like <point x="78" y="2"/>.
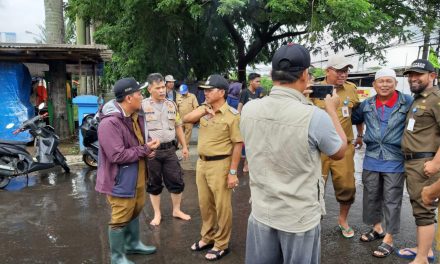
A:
<point x="284" y="136"/>
<point x="164" y="123"/>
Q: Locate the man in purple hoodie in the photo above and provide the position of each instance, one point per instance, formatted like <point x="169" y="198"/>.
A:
<point x="122" y="168"/>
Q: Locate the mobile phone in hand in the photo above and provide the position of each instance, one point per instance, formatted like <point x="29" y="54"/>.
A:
<point x="320" y="91"/>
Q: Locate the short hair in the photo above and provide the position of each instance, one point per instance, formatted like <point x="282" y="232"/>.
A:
<point x="286" y="77"/>
<point x="226" y="94"/>
<point x="120" y="99"/>
<point x="253" y="76"/>
<point x="154" y="78"/>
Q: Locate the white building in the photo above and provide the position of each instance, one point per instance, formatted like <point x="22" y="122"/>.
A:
<point x="8" y="37"/>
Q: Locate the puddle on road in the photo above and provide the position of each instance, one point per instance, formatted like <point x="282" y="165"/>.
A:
<point x="20" y="182"/>
<point x="53" y="177"/>
<point x="81" y="185"/>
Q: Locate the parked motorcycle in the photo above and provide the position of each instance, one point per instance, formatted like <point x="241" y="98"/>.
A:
<point x="15" y="160"/>
<point x="89" y="131"/>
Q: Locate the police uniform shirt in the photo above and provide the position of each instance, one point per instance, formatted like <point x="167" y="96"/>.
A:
<point x="162" y="119"/>
<point x="424" y="136"/>
<point x="218" y="134"/>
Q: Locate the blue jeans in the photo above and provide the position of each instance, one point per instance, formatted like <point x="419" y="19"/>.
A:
<point x="266" y="245"/>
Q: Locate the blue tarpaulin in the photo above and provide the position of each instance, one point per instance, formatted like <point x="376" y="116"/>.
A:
<point x="15" y="91"/>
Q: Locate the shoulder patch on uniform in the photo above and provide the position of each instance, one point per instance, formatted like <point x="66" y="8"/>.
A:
<point x="146" y="103"/>
<point x="233" y="110"/>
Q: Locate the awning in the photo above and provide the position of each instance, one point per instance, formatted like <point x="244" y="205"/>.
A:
<point x="45" y="53"/>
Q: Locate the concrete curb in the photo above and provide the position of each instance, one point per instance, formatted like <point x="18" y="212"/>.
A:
<point x="74" y="160"/>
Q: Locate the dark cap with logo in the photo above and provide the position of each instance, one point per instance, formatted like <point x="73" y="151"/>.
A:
<point x="291" y="58"/>
<point x="215" y="81"/>
<point x="420" y="66"/>
<point x="126" y="86"/>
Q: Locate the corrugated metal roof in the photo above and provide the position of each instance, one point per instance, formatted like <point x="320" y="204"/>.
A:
<point x="43" y="53"/>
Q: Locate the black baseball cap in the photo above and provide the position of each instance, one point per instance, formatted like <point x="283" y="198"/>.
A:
<point x="215" y="81"/>
<point x="126" y="86"/>
<point x="420" y="66"/>
<point x="291" y="58"/>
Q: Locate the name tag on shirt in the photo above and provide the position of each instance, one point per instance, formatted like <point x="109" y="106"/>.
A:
<point x="411" y="123"/>
<point x="345" y="112"/>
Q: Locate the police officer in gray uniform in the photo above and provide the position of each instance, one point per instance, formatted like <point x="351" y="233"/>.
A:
<point x="164" y="123"/>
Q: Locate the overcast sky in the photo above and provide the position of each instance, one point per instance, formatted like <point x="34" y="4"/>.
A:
<point x="20" y="16"/>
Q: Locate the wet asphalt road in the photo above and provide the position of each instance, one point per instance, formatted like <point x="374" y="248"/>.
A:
<point x="59" y="218"/>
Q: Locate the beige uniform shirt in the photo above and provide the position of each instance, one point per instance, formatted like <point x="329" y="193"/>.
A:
<point x="162" y="119"/>
<point x="218" y="134"/>
<point x="186" y="103"/>
<point x="349" y="98"/>
<point x="425" y="134"/>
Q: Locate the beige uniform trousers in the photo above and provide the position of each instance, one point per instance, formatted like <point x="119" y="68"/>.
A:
<point x="342" y="175"/>
<point x="215" y="201"/>
<point x="187" y="129"/>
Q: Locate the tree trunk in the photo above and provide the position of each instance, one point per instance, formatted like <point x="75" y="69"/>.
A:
<point x="54" y="21"/>
<point x="57" y="91"/>
<point x="81" y="40"/>
<point x="242" y="71"/>
<point x="241" y="62"/>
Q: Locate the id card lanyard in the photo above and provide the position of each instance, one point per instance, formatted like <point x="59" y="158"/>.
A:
<point x="345" y="112"/>
<point x="411" y="120"/>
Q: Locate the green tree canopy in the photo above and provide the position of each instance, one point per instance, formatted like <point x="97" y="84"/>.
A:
<point x="146" y="40"/>
<point x="202" y="37"/>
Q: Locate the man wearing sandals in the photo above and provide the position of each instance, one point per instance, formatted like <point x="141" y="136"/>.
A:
<point x="420" y="146"/>
<point x="219" y="148"/>
<point x="286" y="185"/>
<point x="383" y="172"/>
<point x="342" y="171"/>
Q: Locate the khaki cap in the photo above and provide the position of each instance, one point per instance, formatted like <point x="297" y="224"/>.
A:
<point x="338" y="62"/>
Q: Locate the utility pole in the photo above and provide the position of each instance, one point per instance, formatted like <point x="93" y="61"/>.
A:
<point x="426" y="45"/>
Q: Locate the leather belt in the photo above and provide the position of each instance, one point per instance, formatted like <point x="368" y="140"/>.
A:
<point x="418" y="155"/>
<point x="166" y="145"/>
<point x="211" y="158"/>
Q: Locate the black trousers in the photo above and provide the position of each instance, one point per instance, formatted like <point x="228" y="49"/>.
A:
<point x="165" y="168"/>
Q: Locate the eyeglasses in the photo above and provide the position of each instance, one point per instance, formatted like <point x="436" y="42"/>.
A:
<point x="341" y="71"/>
